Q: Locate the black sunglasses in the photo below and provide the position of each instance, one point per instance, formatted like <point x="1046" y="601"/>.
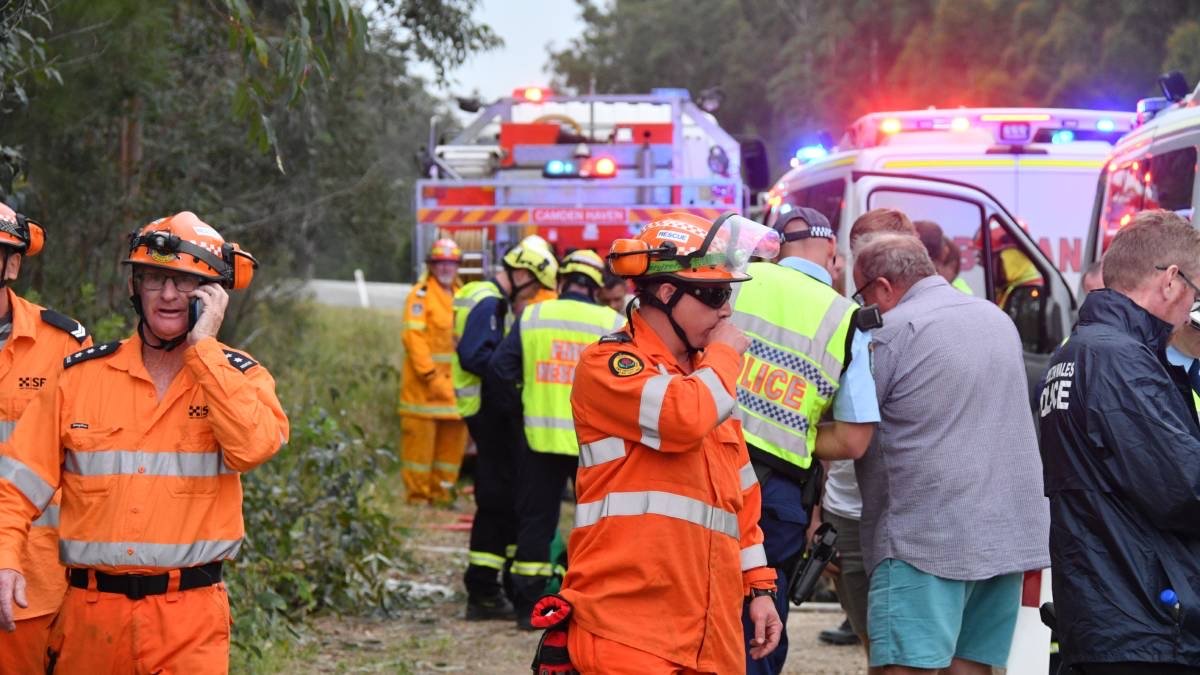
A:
<point x="712" y="296"/>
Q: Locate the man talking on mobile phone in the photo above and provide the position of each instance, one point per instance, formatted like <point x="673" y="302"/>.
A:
<point x="147" y="437"/>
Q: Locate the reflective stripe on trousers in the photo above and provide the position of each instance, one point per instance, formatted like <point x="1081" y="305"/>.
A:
<point x="653" y="502"/>
<point x="116" y="554"/>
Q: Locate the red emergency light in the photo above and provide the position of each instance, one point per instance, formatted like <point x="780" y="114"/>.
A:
<point x="532" y="94"/>
<point x="600" y="167"/>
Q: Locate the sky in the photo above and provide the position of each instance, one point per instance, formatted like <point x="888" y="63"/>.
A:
<point x="526" y="27"/>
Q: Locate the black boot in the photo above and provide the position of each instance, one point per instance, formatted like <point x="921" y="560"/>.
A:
<point x="492" y="608"/>
<point x="842" y="635"/>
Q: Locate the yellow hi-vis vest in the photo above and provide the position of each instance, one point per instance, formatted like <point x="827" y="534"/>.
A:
<point x="467" y="384"/>
<point x="553" y="335"/>
<point x="798" y="329"/>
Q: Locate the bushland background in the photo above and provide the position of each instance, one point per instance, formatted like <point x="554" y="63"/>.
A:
<point x="296" y="126"/>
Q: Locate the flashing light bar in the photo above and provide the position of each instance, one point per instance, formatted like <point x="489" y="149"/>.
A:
<point x="890" y="125"/>
<point x="532" y="94"/>
<point x="1062" y="136"/>
<point x="810" y="153"/>
<point x="599" y="167"/>
<point x="1015" y="117"/>
<point x="960" y="124"/>
<point x="1106" y="125"/>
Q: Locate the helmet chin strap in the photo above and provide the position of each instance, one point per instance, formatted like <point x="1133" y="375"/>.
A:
<point x="513" y="288"/>
<point x="143" y="329"/>
<point x="668" y="308"/>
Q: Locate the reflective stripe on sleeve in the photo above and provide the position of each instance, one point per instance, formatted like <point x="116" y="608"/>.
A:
<point x="725" y="403"/>
<point x="138" y="462"/>
<point x="601" y="451"/>
<point x="36" y="490"/>
<point x="650" y="409"/>
<point x="6" y="429"/>
<point x="442" y="357"/>
<point x="754" y="556"/>
<point x="657" y="503"/>
<point x="116" y="554"/>
<point x="49" y="517"/>
<point x="749" y="478"/>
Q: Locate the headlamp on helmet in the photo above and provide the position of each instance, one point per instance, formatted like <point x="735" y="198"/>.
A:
<point x="186" y="244"/>
<point x="20" y="233"/>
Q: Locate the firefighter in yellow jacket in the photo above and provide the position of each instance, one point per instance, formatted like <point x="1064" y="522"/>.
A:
<point x="432" y="434"/>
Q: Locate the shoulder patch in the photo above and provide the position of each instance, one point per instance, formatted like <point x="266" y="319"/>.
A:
<point x="417" y="309"/>
<point x="66" y="324"/>
<point x="239" y="360"/>
<point x="93" y="352"/>
<point x="624" y="364"/>
<point x="619" y="337"/>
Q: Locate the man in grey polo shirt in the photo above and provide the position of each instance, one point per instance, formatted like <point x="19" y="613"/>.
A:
<point x="953" y="510"/>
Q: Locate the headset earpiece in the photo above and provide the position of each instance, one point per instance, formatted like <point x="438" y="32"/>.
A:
<point x="629" y="257"/>
<point x="35" y="238"/>
<point x="241" y="266"/>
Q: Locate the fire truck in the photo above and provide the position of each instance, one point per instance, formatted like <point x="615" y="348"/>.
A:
<point x="580" y="171"/>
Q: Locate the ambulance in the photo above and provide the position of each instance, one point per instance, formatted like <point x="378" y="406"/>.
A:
<point x="1154" y="167"/>
<point x="580" y="171"/>
<point x="1040" y="163"/>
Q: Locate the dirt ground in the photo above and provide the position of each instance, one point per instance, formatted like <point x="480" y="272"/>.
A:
<point x="433" y="637"/>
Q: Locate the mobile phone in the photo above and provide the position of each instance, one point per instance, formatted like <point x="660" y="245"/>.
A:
<point x="195" y="307"/>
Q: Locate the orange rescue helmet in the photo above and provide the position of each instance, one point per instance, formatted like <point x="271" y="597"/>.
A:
<point x="185" y="243"/>
<point x="445" y="250"/>
<point x="688" y="248"/>
<point x="20" y="233"/>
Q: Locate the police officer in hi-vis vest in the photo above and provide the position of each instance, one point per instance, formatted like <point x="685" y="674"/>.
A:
<point x="483" y="311"/>
<point x="807" y="357"/>
<point x="538" y="359"/>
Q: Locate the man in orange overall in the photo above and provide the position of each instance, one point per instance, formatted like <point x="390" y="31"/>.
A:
<point x="35" y="342"/>
<point x="433" y="435"/>
<point x="666" y="546"/>
<point x="147" y="437"/>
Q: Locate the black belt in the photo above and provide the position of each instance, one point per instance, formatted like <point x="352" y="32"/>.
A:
<point x="138" y="586"/>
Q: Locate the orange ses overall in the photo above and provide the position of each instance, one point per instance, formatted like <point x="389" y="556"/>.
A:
<point x="30" y="363"/>
<point x="666" y="542"/>
<point x="149" y="486"/>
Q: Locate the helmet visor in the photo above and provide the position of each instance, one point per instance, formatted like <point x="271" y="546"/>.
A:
<point x="737" y="240"/>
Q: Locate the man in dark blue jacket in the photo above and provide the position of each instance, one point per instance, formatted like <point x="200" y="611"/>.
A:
<point x="1122" y="462"/>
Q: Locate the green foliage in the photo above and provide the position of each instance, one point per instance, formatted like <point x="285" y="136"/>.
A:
<point x="790" y="69"/>
<point x="319" y="537"/>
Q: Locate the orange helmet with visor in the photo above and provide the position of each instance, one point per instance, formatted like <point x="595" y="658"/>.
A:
<point x="185" y="243"/>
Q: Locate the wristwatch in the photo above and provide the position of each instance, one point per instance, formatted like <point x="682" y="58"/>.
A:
<point x="759" y="592"/>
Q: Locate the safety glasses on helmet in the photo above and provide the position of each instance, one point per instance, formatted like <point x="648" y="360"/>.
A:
<point x="712" y="296"/>
<point x="154" y="280"/>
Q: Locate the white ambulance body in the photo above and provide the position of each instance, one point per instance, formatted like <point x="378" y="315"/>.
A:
<point x="1042" y="164"/>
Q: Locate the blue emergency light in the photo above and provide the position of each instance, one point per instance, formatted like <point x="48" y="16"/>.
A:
<point x="810" y="153"/>
<point x="1106" y="125"/>
<point x="1062" y="136"/>
<point x="557" y="168"/>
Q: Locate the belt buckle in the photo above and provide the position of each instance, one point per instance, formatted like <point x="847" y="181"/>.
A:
<point x="134" y="591"/>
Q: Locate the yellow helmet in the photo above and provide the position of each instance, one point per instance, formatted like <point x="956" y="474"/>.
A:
<point x="586" y="262"/>
<point x="532" y="254"/>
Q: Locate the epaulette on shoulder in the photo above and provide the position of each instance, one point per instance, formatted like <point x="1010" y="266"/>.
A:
<point x="93" y="352"/>
<point x="619" y="337"/>
<point x="66" y="324"/>
<point x="239" y="360"/>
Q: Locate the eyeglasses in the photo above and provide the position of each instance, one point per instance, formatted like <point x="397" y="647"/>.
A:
<point x="858" y="295"/>
<point x="712" y="296"/>
<point x="153" y="280"/>
<point x="1186" y="280"/>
